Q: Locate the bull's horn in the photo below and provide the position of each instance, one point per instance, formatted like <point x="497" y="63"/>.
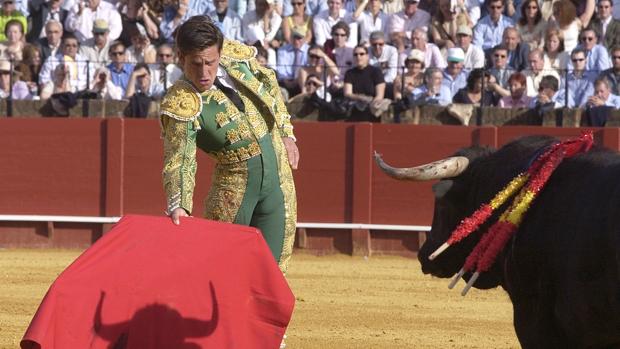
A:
<point x="445" y="168"/>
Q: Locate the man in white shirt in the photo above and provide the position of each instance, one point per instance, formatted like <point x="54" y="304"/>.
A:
<point x="372" y="19"/>
<point x="536" y="72"/>
<point x="403" y="23"/>
<point x="383" y="56"/>
<point x="75" y="65"/>
<point x="227" y="20"/>
<point x="474" y="56"/>
<point x="81" y="18"/>
<point x="324" y="21"/>
<point x="165" y="72"/>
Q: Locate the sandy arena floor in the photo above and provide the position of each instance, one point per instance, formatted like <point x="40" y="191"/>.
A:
<point x="342" y="302"/>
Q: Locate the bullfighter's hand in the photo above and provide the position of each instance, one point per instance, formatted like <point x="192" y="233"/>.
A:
<point x="176" y="215"/>
<point x="291" y="151"/>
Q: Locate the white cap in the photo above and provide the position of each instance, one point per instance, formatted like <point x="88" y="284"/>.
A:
<point x="456" y="54"/>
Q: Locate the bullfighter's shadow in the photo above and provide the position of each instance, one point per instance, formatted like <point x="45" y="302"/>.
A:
<point x="155" y="326"/>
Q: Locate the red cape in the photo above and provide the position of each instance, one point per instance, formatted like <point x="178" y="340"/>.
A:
<point x="150" y="284"/>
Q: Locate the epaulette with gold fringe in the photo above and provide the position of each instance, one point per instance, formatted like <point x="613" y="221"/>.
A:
<point x="235" y="51"/>
<point x="182" y="102"/>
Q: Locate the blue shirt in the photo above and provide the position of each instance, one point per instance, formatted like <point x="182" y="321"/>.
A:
<point x="613" y="101"/>
<point x="614" y="80"/>
<point x="488" y="34"/>
<point x="286" y="61"/>
<point x="597" y="59"/>
<point x="579" y="89"/>
<point x="420" y="96"/>
<point x="454" y="84"/>
<point x="167" y="25"/>
<point x="121" y="77"/>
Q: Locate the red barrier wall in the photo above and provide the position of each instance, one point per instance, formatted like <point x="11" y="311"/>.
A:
<point x="111" y="167"/>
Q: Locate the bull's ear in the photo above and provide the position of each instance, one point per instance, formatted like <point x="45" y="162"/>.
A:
<point x="441" y="188"/>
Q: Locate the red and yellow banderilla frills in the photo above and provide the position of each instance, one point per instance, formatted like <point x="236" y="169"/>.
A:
<point x="529" y="183"/>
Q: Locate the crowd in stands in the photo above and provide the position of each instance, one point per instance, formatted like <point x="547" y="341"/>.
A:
<point x="350" y="58"/>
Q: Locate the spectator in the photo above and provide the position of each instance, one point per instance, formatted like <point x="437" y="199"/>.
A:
<point x="578" y="85"/>
<point x="227" y="20"/>
<point x="384" y="57"/>
<point x="9" y="13"/>
<point x="565" y="19"/>
<point x="473" y="92"/>
<point x="602" y="95"/>
<point x="445" y="25"/>
<point x="490" y="29"/>
<point x="83" y="15"/>
<point x="606" y="25"/>
<point x="517" y="98"/>
<point x="500" y="71"/>
<point x="312" y="7"/>
<point x="404" y="84"/>
<point x="391" y="7"/>
<point x="74" y="65"/>
<point x="517" y="51"/>
<point x="531" y="26"/>
<point x="136" y="13"/>
<point x="433" y="91"/>
<point x="51" y="42"/>
<point x="12" y="48"/>
<point x="432" y="55"/>
<point x="474" y="56"/>
<point x="291" y="57"/>
<point x="403" y="23"/>
<point x="165" y="72"/>
<point x="324" y="21"/>
<point x="175" y="14"/>
<point x="613" y="74"/>
<point x="19" y="89"/>
<point x="262" y="24"/>
<point x="597" y="55"/>
<point x="338" y="50"/>
<point x="141" y="92"/>
<point x="59" y="82"/>
<point x="536" y="72"/>
<point x="96" y="48"/>
<point x="262" y="56"/>
<point x="555" y="56"/>
<point x="120" y="71"/>
<point x="299" y="21"/>
<point x="30" y="67"/>
<point x="42" y="11"/>
<point x="372" y="19"/>
<point x="103" y="86"/>
<point x="364" y="84"/>
<point x="454" y="77"/>
<point x="546" y="99"/>
<point x="320" y="65"/>
<point x="141" y="49"/>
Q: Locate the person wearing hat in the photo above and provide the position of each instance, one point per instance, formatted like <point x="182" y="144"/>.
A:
<point x="291" y="57"/>
<point x="8" y="78"/>
<point x="404" y="22"/>
<point x="227" y="20"/>
<point x="454" y="77"/>
<point x="474" y="56"/>
<point x="96" y="48"/>
<point x="384" y="57"/>
<point x="82" y="17"/>
<point x="404" y="84"/>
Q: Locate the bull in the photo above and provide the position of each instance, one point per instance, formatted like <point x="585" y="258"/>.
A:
<point x="561" y="268"/>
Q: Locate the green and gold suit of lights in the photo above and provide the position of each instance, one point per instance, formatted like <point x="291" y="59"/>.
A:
<point x="252" y="182"/>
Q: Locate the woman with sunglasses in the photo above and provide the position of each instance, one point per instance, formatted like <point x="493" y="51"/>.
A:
<point x="298" y="21"/>
<point x="531" y="25"/>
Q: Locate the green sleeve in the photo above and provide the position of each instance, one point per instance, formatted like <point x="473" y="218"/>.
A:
<point x="179" y="162"/>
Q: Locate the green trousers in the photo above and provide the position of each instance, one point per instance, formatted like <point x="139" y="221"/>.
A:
<point x="263" y="202"/>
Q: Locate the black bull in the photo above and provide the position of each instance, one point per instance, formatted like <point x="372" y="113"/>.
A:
<point x="562" y="267"/>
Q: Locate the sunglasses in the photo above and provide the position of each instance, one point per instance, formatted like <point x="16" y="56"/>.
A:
<point x="118" y="53"/>
<point x="71" y="45"/>
<point x="314" y="56"/>
<point x="578" y="59"/>
<point x="359" y="54"/>
<point x="377" y="44"/>
<point x="312" y="83"/>
<point x="339" y="34"/>
<point x="297" y="3"/>
<point x="165" y="55"/>
<point x="532" y="7"/>
<point x="500" y="56"/>
<point x="98" y="34"/>
<point x="587" y="38"/>
<point x="496" y="7"/>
